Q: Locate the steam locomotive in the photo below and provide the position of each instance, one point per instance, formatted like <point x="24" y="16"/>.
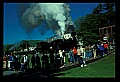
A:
<point x="65" y="43"/>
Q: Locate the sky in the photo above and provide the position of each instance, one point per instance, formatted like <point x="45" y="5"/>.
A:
<point x="13" y="31"/>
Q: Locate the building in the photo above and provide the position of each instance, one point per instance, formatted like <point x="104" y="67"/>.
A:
<point x="107" y="33"/>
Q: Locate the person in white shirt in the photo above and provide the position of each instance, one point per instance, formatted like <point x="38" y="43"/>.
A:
<point x="84" y="54"/>
<point x="26" y="62"/>
<point x="80" y="57"/>
<point x="81" y="49"/>
<point x="60" y="52"/>
<point x="61" y="56"/>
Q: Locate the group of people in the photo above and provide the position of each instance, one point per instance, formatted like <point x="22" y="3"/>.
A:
<point x="20" y="62"/>
<point x="55" y="59"/>
<point x="103" y="49"/>
<point x="77" y="55"/>
<point x="96" y="50"/>
<point x="23" y="62"/>
<point x="59" y="59"/>
<point x="10" y="62"/>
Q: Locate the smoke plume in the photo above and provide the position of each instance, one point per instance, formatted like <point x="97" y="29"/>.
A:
<point x="53" y="16"/>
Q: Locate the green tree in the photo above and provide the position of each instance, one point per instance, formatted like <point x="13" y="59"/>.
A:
<point x="106" y="13"/>
<point x="88" y="26"/>
<point x="88" y="29"/>
<point x="7" y="47"/>
<point x="98" y="9"/>
<point x="110" y="12"/>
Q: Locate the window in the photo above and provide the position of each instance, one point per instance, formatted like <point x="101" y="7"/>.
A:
<point x="104" y="30"/>
<point x="113" y="29"/>
<point x="109" y="30"/>
<point x="101" y="31"/>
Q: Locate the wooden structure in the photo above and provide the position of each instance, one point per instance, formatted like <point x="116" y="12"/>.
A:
<point x="107" y="31"/>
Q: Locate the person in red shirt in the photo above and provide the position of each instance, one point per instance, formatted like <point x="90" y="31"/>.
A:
<point x="106" y="48"/>
<point x="75" y="54"/>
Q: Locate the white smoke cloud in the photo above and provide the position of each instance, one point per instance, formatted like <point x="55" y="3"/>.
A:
<point x="50" y="12"/>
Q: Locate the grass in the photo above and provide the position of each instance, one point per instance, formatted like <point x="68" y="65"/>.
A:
<point x="103" y="68"/>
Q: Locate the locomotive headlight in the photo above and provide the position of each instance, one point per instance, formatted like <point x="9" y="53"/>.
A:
<point x="67" y="36"/>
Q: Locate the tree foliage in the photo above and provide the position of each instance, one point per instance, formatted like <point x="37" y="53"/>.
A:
<point x="7" y="47"/>
<point x="88" y="26"/>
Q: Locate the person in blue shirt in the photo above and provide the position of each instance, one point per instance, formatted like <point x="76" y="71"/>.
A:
<point x="101" y="50"/>
<point x="11" y="61"/>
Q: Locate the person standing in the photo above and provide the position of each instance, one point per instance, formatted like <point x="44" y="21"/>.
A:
<point x="94" y="50"/>
<point x="16" y="63"/>
<point x="22" y="63"/>
<point x="78" y="55"/>
<point x="75" y="54"/>
<point x="26" y="62"/>
<point x="89" y="51"/>
<point x="110" y="48"/>
<point x="4" y="62"/>
<point x="19" y="60"/>
<point x="57" y="60"/>
<point x="51" y="56"/>
<point x="43" y="61"/>
<point x="82" y="51"/>
<point x="86" y="52"/>
<point x="46" y="62"/>
<point x="33" y="61"/>
<point x="11" y="61"/>
<point x="84" y="55"/>
<point x="97" y="50"/>
<point x="61" y="58"/>
<point x="7" y="62"/>
<point x="38" y="62"/>
<point x="105" y="48"/>
<point x="71" y="55"/>
<point x="101" y="50"/>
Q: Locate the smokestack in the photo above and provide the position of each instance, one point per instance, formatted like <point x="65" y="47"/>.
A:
<point x="55" y="15"/>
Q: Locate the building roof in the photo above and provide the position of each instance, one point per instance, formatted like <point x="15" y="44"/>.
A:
<point x="17" y="45"/>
